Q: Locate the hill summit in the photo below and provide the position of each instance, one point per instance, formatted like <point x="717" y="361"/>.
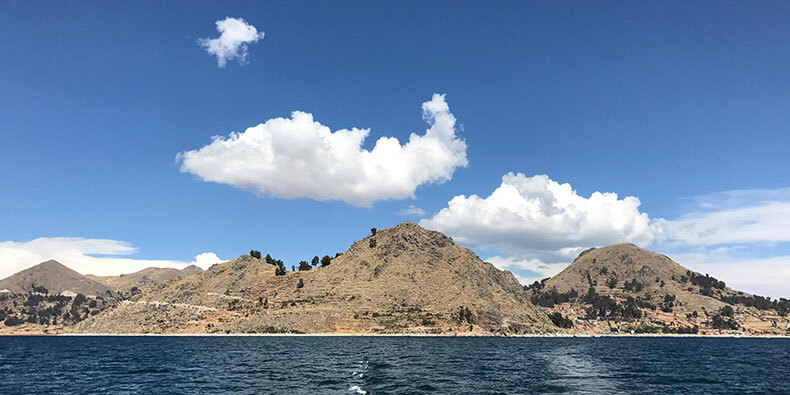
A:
<point x="145" y="279"/>
<point x="635" y="289"/>
<point x="54" y="278"/>
<point x="404" y="279"/>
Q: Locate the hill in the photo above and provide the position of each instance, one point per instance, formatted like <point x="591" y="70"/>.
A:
<point x="403" y="279"/>
<point x="49" y="297"/>
<point x="649" y="292"/>
<point x="144" y="280"/>
<point x="52" y="277"/>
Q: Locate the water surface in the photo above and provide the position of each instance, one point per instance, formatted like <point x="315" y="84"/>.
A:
<point x="372" y="365"/>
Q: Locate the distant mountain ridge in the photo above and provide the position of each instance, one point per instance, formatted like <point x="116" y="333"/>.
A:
<point x="144" y="279"/>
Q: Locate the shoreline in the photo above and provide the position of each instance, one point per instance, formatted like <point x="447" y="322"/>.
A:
<point x="450" y="335"/>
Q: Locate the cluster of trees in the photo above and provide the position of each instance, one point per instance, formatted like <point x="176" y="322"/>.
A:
<point x="724" y="319"/>
<point x="633" y="286"/>
<point x="602" y="306"/>
<point x="687" y="330"/>
<point x="706" y="282"/>
<point x="537" y="285"/>
<point x="465" y="315"/>
<point x="45" y="309"/>
<point x="668" y="304"/>
<point x="552" y="297"/>
<point x="561" y="321"/>
<point x="782" y="306"/>
<point x="612" y="282"/>
<point x="280" y="270"/>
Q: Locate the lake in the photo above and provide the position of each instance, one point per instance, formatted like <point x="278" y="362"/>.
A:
<point x="372" y="365"/>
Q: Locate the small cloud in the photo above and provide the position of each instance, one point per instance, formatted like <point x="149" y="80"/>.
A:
<point x="527" y="270"/>
<point x="235" y="34"/>
<point x="412" y="210"/>
<point x="206" y="260"/>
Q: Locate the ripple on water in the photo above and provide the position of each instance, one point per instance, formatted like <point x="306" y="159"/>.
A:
<point x="307" y="365"/>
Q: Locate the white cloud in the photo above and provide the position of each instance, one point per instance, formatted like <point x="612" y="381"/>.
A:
<point x="737" y="236"/>
<point x="102" y="257"/>
<point x="412" y="210"/>
<point x="743" y="216"/>
<point x="299" y="157"/>
<point x="534" y="266"/>
<point x="235" y="34"/>
<point x="536" y="217"/>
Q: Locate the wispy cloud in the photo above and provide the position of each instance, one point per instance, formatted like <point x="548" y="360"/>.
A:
<point x="235" y="34"/>
<point x="412" y="210"/>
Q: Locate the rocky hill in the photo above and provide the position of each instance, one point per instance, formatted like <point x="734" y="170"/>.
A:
<point x="143" y="280"/>
<point x="52" y="277"/>
<point x="635" y="289"/>
<point x="403" y="279"/>
<point x="49" y="297"/>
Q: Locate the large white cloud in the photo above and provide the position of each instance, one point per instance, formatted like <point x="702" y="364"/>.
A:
<point x="101" y="257"/>
<point x="235" y="34"/>
<point x="299" y="157"/>
<point x="536" y="217"/>
<point x="540" y="225"/>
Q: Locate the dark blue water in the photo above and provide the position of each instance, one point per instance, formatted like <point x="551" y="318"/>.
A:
<point x="348" y="365"/>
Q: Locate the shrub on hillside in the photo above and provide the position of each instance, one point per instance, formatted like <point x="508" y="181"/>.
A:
<point x="561" y="321"/>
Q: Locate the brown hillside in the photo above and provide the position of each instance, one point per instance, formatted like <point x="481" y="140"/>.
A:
<point x="410" y="280"/>
<point x="621" y="263"/>
<point x="669" y="296"/>
<point x="144" y="279"/>
<point x="56" y="278"/>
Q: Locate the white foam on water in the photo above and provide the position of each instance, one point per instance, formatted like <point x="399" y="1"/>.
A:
<point x="357" y="389"/>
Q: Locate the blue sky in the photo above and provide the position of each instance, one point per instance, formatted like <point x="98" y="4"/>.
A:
<point x="675" y="104"/>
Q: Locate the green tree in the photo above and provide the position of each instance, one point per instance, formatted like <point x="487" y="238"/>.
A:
<point x="315" y="260"/>
<point x="255" y="254"/>
<point x="326" y="260"/>
<point x="304" y="266"/>
<point x="372" y="243"/>
<point x="373" y="231"/>
<point x="280" y="270"/>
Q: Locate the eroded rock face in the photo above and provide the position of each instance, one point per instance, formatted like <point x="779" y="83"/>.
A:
<point x="400" y="280"/>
